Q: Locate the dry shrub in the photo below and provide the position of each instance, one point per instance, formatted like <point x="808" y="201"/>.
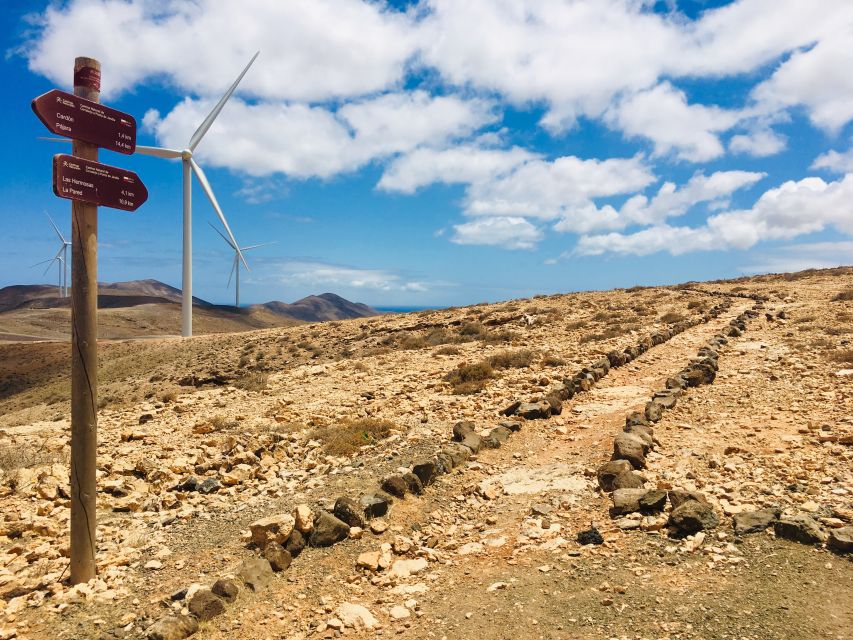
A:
<point x="550" y="360"/>
<point x="513" y="359"/>
<point x="844" y="356"/>
<point x="672" y="317"/>
<point x="498" y="337"/>
<point x="843" y="296"/>
<point x="470" y="378"/>
<point x="221" y="423"/>
<point x="252" y="381"/>
<point x="168" y="397"/>
<point x="348" y="436"/>
<point x="410" y="341"/>
<point x="360" y="366"/>
<point x="804" y="319"/>
<point x="575" y="325"/>
<point x="472" y="329"/>
<point x="448" y="350"/>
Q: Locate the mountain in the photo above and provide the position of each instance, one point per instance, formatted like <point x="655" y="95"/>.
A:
<point x="326" y="306"/>
<point x="149" y="307"/>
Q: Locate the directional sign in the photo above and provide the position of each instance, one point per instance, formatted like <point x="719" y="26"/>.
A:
<point x="78" y="179"/>
<point x="73" y="117"/>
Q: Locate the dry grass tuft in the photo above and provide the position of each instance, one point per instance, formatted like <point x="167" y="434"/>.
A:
<point x="513" y="359"/>
<point x="843" y="296"/>
<point x="470" y="378"/>
<point x="252" y="381"/>
<point x="348" y="436"/>
<point x="844" y="356"/>
<point x="671" y="317"/>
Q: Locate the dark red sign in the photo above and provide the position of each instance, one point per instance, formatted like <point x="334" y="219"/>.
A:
<point x="78" y="179"/>
<point x="68" y="115"/>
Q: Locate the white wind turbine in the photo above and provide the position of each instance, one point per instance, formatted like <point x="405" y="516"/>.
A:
<point x="238" y="257"/>
<point x="61" y="257"/>
<point x="191" y="166"/>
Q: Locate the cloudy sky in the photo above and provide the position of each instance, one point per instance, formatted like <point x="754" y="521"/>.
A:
<point x="445" y="152"/>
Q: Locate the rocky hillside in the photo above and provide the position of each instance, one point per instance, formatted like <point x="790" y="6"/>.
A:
<point x="667" y="462"/>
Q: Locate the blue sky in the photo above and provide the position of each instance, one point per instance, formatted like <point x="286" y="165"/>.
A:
<point x="440" y="152"/>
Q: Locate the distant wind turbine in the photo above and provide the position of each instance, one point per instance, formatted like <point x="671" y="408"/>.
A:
<point x="238" y="257"/>
<point x="61" y="257"/>
<point x="191" y="166"/>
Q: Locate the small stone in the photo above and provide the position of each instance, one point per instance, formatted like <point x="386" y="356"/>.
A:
<point x="275" y="528"/>
<point x="153" y="565"/>
<point x="841" y="540"/>
<point x="395" y="485"/>
<point x="406" y="568"/>
<point x="590" y="536"/>
<point x="205" y="605"/>
<point x="374" y="505"/>
<point x="303" y="518"/>
<point x="626" y="501"/>
<point x="653" y="502"/>
<point x="399" y="613"/>
<point x="608" y="472"/>
<point x="256" y="573"/>
<point x="278" y="557"/>
<point x="226" y="589"/>
<point x="378" y="527"/>
<point x="172" y="628"/>
<point x="692" y="516"/>
<point x="356" y="616"/>
<point x="349" y="511"/>
<point x="425" y="470"/>
<point x="328" y="530"/>
<point x="748" y="522"/>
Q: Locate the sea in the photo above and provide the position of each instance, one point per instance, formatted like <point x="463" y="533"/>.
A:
<point x="405" y="309"/>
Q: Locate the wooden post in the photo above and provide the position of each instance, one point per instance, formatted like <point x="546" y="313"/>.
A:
<point x="84" y="351"/>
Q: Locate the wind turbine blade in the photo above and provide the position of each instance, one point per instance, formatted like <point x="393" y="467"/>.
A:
<point x="49" y="139"/>
<point x="55" y="228"/>
<point x="205" y="185"/>
<point x="49" y="266"/>
<point x="223" y="236"/>
<point x="159" y="152"/>
<point x="205" y="125"/>
<point x="255" y="246"/>
<point x="234" y="266"/>
<point x="42" y="262"/>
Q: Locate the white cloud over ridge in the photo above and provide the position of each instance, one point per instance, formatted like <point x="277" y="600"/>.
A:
<point x="502" y="231"/>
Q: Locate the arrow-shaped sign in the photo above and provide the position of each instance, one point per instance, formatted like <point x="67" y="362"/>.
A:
<point x="87" y="181"/>
<point x="73" y="117"/>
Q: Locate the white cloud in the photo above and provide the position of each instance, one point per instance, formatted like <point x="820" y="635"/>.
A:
<point x="310" y="49"/>
<point x="818" y="78"/>
<point x="814" y="255"/>
<point x="314" y="273"/>
<point x="663" y="115"/>
<point x="672" y="201"/>
<point x="782" y="213"/>
<point x="548" y="189"/>
<point x="835" y="161"/>
<point x="305" y="141"/>
<point x="760" y="143"/>
<point x="506" y="232"/>
<point x="464" y="164"/>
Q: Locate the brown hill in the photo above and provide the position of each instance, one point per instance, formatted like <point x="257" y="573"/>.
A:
<point x="144" y="308"/>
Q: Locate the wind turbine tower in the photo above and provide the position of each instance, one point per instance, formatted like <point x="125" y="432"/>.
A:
<point x="235" y="265"/>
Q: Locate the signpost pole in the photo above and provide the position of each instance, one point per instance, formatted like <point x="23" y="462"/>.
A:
<point x="84" y="351"/>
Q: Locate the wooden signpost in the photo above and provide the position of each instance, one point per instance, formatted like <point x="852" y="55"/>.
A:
<point x="87" y="183"/>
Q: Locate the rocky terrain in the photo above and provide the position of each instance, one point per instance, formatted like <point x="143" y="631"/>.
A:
<point x="667" y="462"/>
<point x="149" y="308"/>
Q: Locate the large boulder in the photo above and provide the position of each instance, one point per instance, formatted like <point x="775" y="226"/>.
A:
<point x="256" y="573"/>
<point x="349" y="511"/>
<point x="609" y="471"/>
<point x="841" y="540"/>
<point x="654" y="411"/>
<point x="206" y="605"/>
<point x="275" y="528"/>
<point x="626" y="501"/>
<point x="748" y="522"/>
<point x="328" y="530"/>
<point x="690" y="517"/>
<point x="374" y="505"/>
<point x="394" y="485"/>
<point x="425" y="470"/>
<point x="800" y="528"/>
<point x="627" y="446"/>
<point x="534" y="410"/>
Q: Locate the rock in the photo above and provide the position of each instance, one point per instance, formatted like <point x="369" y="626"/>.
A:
<point x="654" y="411"/>
<point x="511" y="409"/>
<point x="278" y="557"/>
<point x="629" y="480"/>
<point x="356" y="533"/>
<point x="512" y="425"/>
<point x="256" y="573"/>
<point x="296" y="542"/>
<point x="457" y="452"/>
<point x="841" y="540"/>
<point x="303" y="518"/>
<point x="754" y="521"/>
<point x="211" y="485"/>
<point x="349" y="511"/>
<point x="399" y="613"/>
<point x="394" y="485"/>
<point x="501" y="434"/>
<point x="555" y="403"/>
<point x="665" y="400"/>
<point x="636" y="417"/>
<point x="414" y="483"/>
<point x="643" y="432"/>
<point x="590" y="536"/>
<point x="676" y="382"/>
<point x="425" y="471"/>
<point x="608" y="472"/>
<point x="376" y="560"/>
<point x="375" y="505"/>
<point x="691" y="516"/>
<point x="226" y="588"/>
<point x="271" y="529"/>
<point x="653" y="502"/>
<point x="172" y="628"/>
<point x="205" y="604"/>
<point x="534" y="410"/>
<point x="378" y="527"/>
<point x="356" y="616"/>
<point x="677" y="497"/>
<point x="406" y="568"/>
<point x="328" y="530"/>
<point x="627" y="446"/>
<point x="626" y="501"/>
<point x="800" y="528"/>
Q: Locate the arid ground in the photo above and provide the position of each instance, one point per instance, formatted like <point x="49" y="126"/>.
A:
<point x="202" y="438"/>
